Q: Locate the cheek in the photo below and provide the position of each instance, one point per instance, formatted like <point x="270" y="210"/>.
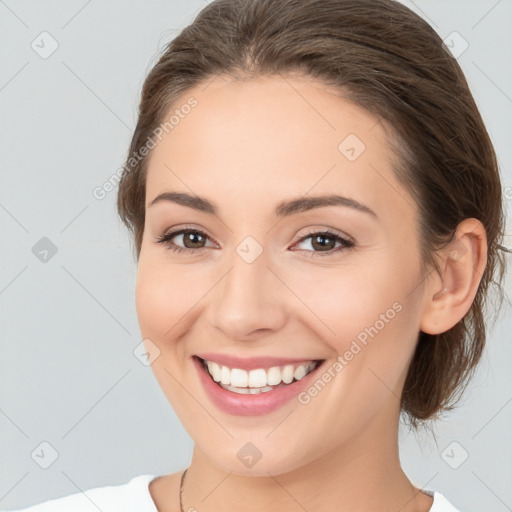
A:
<point x="347" y="300"/>
<point x="162" y="299"/>
<point x="365" y="312"/>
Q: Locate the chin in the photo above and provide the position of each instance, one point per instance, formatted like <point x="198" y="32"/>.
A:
<point x="245" y="459"/>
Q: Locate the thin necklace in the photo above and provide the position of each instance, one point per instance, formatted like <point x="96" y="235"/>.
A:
<point x="181" y="490"/>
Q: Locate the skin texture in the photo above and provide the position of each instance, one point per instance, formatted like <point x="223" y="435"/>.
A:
<point x="247" y="146"/>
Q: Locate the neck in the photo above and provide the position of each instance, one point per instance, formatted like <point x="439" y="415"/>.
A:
<point x="361" y="475"/>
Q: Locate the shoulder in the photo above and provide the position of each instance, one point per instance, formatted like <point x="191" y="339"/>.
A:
<point x="132" y="496"/>
<point x="441" y="504"/>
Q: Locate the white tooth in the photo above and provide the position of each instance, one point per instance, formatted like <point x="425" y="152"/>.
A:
<point x="214" y="370"/>
<point x="300" y="371"/>
<point x="257" y="378"/>
<point x="242" y="391"/>
<point x="239" y="378"/>
<point x="255" y="391"/>
<point x="287" y="373"/>
<point x="274" y="376"/>
<point x="225" y="375"/>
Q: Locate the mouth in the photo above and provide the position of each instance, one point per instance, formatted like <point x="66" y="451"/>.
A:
<point x="257" y="380"/>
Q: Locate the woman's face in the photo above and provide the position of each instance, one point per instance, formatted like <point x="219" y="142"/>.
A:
<point x="264" y="280"/>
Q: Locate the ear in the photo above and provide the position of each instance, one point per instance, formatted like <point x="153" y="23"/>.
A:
<point x="462" y="262"/>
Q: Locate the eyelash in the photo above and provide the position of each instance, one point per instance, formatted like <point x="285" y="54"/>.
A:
<point x="165" y="239"/>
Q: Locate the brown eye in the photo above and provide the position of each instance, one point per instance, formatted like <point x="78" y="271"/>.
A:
<point x="194" y="238"/>
<point x="324" y="243"/>
<point x="321" y="242"/>
<point x="184" y="240"/>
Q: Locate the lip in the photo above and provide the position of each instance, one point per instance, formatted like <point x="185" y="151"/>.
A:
<point x="252" y="405"/>
<point x="251" y="363"/>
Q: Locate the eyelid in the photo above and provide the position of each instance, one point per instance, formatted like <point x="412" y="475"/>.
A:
<point x="187" y="227"/>
<point x="319" y="230"/>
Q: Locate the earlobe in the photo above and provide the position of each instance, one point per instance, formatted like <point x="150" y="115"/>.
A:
<point x="463" y="263"/>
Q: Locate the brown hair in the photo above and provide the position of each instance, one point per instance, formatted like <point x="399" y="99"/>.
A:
<point x="385" y="58"/>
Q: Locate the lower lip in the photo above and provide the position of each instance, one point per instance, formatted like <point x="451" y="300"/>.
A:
<point x="251" y="405"/>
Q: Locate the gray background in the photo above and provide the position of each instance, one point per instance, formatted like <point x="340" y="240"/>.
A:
<point x="68" y="327"/>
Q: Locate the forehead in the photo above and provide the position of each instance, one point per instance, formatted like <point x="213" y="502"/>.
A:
<point x="259" y="140"/>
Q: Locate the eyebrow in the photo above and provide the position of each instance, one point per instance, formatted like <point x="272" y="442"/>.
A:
<point x="283" y="209"/>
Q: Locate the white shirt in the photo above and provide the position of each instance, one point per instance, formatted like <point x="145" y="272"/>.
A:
<point x="134" y="496"/>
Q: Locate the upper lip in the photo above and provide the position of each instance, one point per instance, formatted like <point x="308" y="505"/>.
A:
<point x="251" y="363"/>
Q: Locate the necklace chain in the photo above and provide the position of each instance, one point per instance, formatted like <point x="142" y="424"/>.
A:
<point x="181" y="490"/>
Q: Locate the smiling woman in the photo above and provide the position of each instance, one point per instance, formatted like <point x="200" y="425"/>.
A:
<point x="324" y="179"/>
<point x="316" y="240"/>
<point x="252" y="289"/>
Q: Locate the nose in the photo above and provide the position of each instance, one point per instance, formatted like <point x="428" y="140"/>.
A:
<point x="250" y="301"/>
